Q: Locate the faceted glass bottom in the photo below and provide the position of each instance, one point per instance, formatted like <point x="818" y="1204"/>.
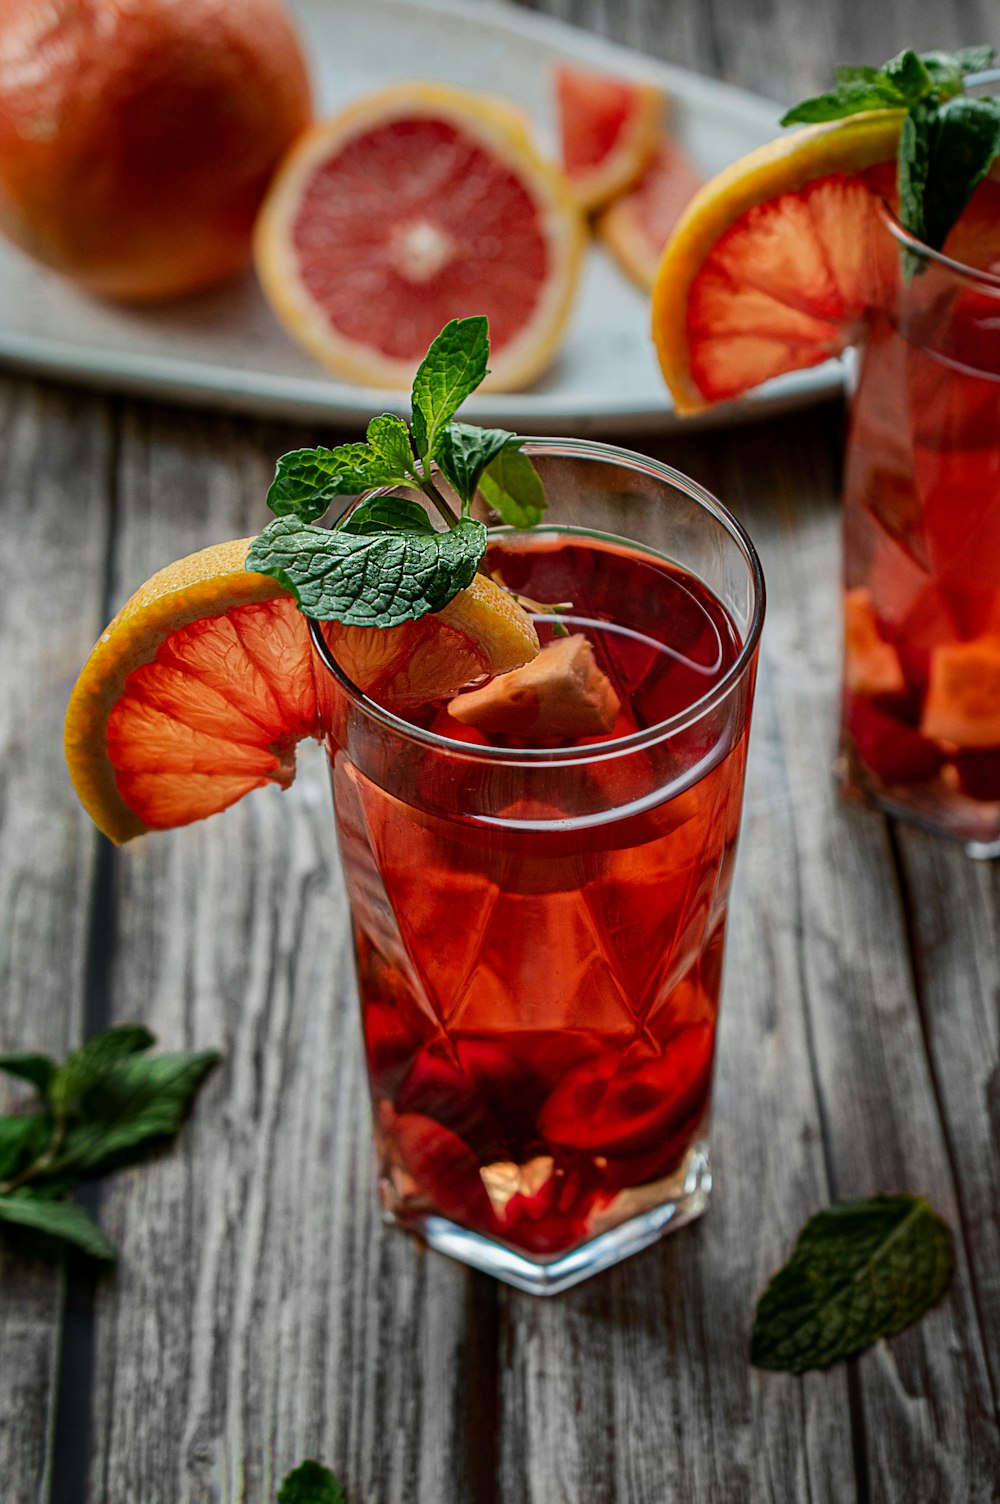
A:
<point x="681" y="1198"/>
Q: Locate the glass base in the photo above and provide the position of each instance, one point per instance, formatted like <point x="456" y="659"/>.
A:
<point x="971" y="824"/>
<point x="680" y="1199"/>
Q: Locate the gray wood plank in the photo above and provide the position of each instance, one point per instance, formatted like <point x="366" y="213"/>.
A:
<point x="926" y="1397"/>
<point x="638" y="1387"/>
<point x="954" y="909"/>
<point x="54" y="484"/>
<point x="261" y="1313"/>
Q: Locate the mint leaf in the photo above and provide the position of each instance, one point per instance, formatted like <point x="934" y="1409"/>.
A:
<point x="369" y="580"/>
<point x="135" y="1101"/>
<point x="381" y="514"/>
<point x="860" y="1271"/>
<point x="311" y="1483"/>
<point x="57" y="1219"/>
<point x="451" y="370"/>
<point x="307" y="481"/>
<point x="913" y="165"/>
<point x="389" y="437"/>
<point x="22" y="1139"/>
<point x="88" y="1064"/>
<point x="851" y="98"/>
<point x="513" y="488"/>
<point x="969" y="59"/>
<point x="907" y="73"/>
<point x="964" y="141"/>
<point x="849" y="73"/>
<point x="463" y="452"/>
<point x="37" y="1069"/>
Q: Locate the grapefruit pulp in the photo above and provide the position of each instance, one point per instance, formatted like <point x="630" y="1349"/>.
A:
<point x="774" y="265"/>
<point x="416" y="205"/>
<point x="204" y="683"/>
<point x="637" y="226"/>
<point x="608" y="128"/>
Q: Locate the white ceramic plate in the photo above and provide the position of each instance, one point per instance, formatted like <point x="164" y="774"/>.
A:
<point x="225" y="349"/>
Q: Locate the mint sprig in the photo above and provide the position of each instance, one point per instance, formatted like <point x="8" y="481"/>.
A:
<point x="385" y="563"/>
<point x="100" y="1110"/>
<point x="310" y="1483"/>
<point x="948" y="138"/>
<point x="861" y="1270"/>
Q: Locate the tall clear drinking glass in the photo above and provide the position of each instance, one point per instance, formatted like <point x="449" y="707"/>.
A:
<point x="538" y="920"/>
<point x="921" y="703"/>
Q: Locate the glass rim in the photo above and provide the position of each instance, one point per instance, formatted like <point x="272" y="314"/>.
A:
<point x="533" y="756"/>
<point x="977" y="275"/>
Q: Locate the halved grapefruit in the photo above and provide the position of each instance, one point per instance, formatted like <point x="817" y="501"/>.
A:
<point x="609" y="129"/>
<point x="637" y="226"/>
<point x="416" y="205"/>
<point x="774" y="266"/>
<point x="203" y="684"/>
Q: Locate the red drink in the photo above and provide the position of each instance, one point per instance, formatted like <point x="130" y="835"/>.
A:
<point x="922" y="557"/>
<point x="539" y="938"/>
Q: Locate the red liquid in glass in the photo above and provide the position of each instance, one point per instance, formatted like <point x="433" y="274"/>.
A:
<point x="922" y="569"/>
<point x="539" y="989"/>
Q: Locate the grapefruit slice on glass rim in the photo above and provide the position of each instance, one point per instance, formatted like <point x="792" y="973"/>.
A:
<point x="204" y="683"/>
<point x="774" y="264"/>
<point x="609" y="130"/>
<point x="416" y="205"/>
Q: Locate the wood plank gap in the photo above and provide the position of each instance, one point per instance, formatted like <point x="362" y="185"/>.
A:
<point x="855" y="1405"/>
<point x="482" y="1390"/>
<point x="74" y="1379"/>
<point x="920" y="994"/>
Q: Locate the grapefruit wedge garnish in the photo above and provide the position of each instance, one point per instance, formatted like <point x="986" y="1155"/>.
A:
<point x="637" y="226"/>
<point x="416" y="205"/>
<point x="776" y="263"/>
<point x="609" y="129"/>
<point x="768" y="269"/>
<point x="205" y="681"/>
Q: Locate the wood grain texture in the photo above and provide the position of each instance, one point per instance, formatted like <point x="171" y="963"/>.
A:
<point x="54" y="463"/>
<point x="261" y="1312"/>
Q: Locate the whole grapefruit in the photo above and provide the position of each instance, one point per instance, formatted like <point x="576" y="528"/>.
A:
<point x="137" y="137"/>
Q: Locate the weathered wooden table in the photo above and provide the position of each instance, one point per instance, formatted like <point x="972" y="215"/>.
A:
<point x="260" y="1312"/>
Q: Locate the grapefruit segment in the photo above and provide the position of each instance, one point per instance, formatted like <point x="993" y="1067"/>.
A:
<point x="608" y="131"/>
<point x="562" y="694"/>
<point x="414" y="206"/>
<point x="204" y="683"/>
<point x="637" y="225"/>
<point x="963" y="694"/>
<point x="871" y="665"/>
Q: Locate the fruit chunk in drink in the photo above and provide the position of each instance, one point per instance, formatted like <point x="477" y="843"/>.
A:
<point x="922" y="561"/>
<point x="539" y="941"/>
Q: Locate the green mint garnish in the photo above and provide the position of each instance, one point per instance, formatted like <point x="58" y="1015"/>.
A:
<point x="99" y="1111"/>
<point x="385" y="563"/>
<point x="948" y="139"/>
<point x="310" y="1483"/>
<point x="860" y="1271"/>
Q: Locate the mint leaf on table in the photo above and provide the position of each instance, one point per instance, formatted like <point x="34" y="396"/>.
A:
<point x="101" y="1110"/>
<point x="38" y="1070"/>
<point x="463" y="453"/>
<point x="58" y="1219"/>
<point x="947" y="141"/>
<point x="87" y="1065"/>
<point x="513" y="488"/>
<point x="136" y="1102"/>
<point x="372" y="579"/>
<point x="451" y="370"/>
<point x="861" y="1270"/>
<point x="310" y="1483"/>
